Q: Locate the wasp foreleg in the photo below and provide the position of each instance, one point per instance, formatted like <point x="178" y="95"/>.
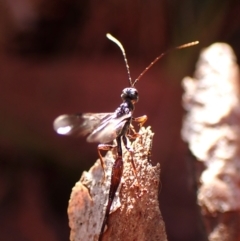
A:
<point x="134" y="134"/>
<point x="141" y="120"/>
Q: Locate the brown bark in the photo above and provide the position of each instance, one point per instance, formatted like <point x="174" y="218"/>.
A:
<point x="135" y="213"/>
<point x="212" y="129"/>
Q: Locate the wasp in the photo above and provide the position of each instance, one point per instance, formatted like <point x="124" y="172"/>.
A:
<point x="104" y="128"/>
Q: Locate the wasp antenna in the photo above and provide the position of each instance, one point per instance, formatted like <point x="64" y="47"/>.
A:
<point x="161" y="55"/>
<point x="187" y="45"/>
<point x="117" y="42"/>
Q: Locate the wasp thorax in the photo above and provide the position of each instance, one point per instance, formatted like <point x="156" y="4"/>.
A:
<point x="130" y="94"/>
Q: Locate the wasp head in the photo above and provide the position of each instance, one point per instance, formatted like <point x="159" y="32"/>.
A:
<point x="130" y="94"/>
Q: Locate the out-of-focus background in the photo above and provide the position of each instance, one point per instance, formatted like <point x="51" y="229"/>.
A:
<point x="55" y="59"/>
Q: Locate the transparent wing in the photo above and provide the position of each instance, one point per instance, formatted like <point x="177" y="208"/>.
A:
<point x="79" y="124"/>
<point x="109" y="130"/>
<point x="102" y="127"/>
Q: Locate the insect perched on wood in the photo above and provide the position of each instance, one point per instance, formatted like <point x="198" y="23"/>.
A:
<point x="107" y="127"/>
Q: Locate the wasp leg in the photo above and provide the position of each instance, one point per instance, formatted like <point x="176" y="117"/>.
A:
<point x="104" y="147"/>
<point x="141" y="120"/>
<point x="117" y="170"/>
<point x="134" y="135"/>
<point x="125" y="142"/>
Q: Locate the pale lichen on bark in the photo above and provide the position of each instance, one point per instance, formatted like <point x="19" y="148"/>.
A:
<point x="135" y="213"/>
<point x="212" y="129"/>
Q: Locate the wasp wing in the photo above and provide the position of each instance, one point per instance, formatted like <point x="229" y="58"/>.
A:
<point x="110" y="129"/>
<point x="79" y="124"/>
<point x="102" y="127"/>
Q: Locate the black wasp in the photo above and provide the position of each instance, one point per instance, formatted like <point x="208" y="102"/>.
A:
<point x="107" y="127"/>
